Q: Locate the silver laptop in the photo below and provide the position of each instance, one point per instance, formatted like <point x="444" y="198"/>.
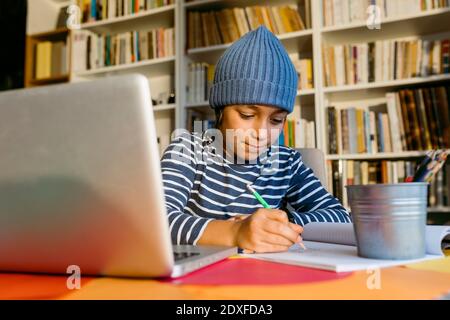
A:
<point x="80" y="184"/>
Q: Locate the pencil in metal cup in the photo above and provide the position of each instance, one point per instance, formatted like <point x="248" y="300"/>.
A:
<point x="266" y="205"/>
<point x="442" y="157"/>
<point x="432" y="163"/>
<point x="421" y="169"/>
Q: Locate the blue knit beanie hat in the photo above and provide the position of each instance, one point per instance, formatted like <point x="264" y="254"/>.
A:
<point x="256" y="69"/>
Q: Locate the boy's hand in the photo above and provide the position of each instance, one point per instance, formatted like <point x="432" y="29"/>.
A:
<point x="266" y="230"/>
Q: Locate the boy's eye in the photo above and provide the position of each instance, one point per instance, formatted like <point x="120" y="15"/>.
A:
<point x="246" y="115"/>
<point x="277" y="121"/>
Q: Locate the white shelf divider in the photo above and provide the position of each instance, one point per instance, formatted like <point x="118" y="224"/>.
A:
<point x="163" y="107"/>
<point x="375" y="156"/>
<point x="145" y="14"/>
<point x="387" y="84"/>
<point x="388" y="20"/>
<point x="223" y="47"/>
<point x="125" y="67"/>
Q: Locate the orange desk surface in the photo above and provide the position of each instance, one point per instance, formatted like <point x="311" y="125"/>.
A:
<point x="421" y="281"/>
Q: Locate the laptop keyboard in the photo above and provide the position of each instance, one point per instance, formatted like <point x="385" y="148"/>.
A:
<point x="184" y="255"/>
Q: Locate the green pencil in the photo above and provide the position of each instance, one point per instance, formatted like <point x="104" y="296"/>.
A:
<point x="258" y="197"/>
<point x="265" y="205"/>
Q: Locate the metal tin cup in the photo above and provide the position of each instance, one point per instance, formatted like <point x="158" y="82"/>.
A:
<point x="389" y="219"/>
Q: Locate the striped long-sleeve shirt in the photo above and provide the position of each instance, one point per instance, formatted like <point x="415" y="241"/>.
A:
<point x="200" y="186"/>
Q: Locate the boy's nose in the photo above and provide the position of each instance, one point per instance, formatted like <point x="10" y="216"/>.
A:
<point x="259" y="133"/>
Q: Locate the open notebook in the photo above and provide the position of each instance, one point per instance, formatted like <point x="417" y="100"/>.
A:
<point x="332" y="246"/>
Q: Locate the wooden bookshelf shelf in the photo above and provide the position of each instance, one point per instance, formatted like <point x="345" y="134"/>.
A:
<point x="58" y="35"/>
<point x="58" y="79"/>
<point x="50" y="35"/>
<point x="200" y="3"/>
<point x="154" y="67"/>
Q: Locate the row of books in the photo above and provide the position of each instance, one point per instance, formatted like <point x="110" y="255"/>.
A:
<point x="50" y="59"/>
<point x="351" y="172"/>
<point x="356" y="130"/>
<point x="298" y="133"/>
<point x="201" y="76"/>
<point x="340" y="12"/>
<point x="200" y="79"/>
<point x="385" y="60"/>
<point x="92" y="51"/>
<point x="412" y="119"/>
<point x="304" y="68"/>
<point x="227" y="25"/>
<point x="95" y="10"/>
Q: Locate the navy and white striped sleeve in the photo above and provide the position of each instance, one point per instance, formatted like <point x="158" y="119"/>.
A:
<point x="310" y="200"/>
<point x="178" y="166"/>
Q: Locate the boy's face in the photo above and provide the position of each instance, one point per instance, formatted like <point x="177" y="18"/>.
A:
<point x="249" y="130"/>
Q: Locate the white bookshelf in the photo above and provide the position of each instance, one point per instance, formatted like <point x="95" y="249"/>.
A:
<point x="422" y="24"/>
<point x="161" y="72"/>
<point x="399" y="27"/>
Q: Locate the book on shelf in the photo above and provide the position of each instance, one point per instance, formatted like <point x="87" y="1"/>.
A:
<point x="342" y="12"/>
<point x="50" y="59"/>
<point x="385" y="60"/>
<point x="439" y="190"/>
<point x="298" y="133"/>
<point x="355" y="172"/>
<point x="96" y="10"/>
<point x="412" y="119"/>
<point x="215" y="27"/>
<point x="304" y="68"/>
<point x="200" y="80"/>
<point x="92" y="51"/>
<point x="357" y="130"/>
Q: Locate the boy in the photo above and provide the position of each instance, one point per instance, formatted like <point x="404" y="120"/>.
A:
<point x="205" y="178"/>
